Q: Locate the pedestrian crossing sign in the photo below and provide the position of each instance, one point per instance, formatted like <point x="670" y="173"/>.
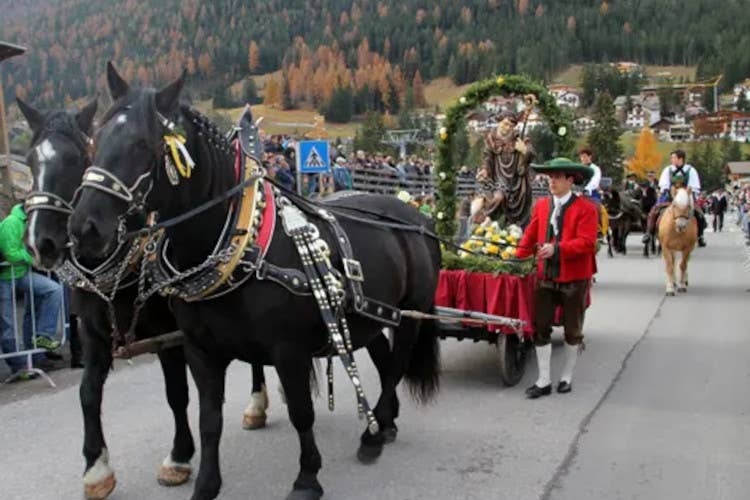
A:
<point x="313" y="157"/>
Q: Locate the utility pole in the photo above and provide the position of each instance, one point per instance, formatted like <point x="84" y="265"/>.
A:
<point x="7" y="198"/>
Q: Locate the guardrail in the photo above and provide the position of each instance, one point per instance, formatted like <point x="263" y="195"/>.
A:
<point x="20" y="342"/>
<point x="387" y="182"/>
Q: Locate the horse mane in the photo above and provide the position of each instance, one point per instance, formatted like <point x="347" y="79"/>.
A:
<point x="62" y="123"/>
<point x="682" y="197"/>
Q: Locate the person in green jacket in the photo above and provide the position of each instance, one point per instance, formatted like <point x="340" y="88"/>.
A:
<point x="47" y="294"/>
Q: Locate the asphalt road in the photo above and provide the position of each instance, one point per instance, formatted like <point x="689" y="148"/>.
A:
<point x="659" y="410"/>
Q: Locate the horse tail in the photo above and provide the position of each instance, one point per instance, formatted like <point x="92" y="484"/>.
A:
<point x="423" y="371"/>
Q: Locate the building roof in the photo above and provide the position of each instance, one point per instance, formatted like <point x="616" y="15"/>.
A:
<point x="9" y="50"/>
<point x="739" y="167"/>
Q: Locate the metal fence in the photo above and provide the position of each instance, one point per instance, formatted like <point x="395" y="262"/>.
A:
<point x="24" y="334"/>
<point x="387" y="182"/>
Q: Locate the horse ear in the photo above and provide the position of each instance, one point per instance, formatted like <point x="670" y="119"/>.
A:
<point x="117" y="86"/>
<point x="85" y="117"/>
<point x="167" y="98"/>
<point x="33" y="117"/>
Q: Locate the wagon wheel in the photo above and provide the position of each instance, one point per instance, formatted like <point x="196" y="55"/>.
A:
<point x="511" y="353"/>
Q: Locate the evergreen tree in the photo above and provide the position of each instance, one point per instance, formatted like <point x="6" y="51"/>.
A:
<point x="543" y="141"/>
<point x="604" y="138"/>
<point x="370" y="134"/>
<point x="250" y="92"/>
<point x="341" y="106"/>
<point x="461" y="144"/>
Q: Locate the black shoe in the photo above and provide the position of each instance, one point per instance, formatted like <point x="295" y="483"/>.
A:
<point x="701" y="242"/>
<point x="564" y="387"/>
<point x="534" y="392"/>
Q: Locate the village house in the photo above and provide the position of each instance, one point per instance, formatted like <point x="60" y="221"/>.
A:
<point x="640" y="117"/>
<point x="738" y="171"/>
<point x="566" y="96"/>
<point x="583" y="124"/>
<point x="719" y="124"/>
<point x="740" y="129"/>
<point x="741" y="88"/>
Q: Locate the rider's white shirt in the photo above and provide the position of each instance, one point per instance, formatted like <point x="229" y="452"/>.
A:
<point x="694" y="181"/>
<point x="593" y="184"/>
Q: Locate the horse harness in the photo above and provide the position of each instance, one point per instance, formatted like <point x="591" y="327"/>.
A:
<point x="240" y="255"/>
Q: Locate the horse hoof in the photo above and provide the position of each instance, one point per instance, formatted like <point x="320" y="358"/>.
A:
<point x="390" y="433"/>
<point x="369" y="454"/>
<point x="670" y="293"/>
<point x="304" y="495"/>
<point x="253" y="422"/>
<point x="174" y="475"/>
<point x="682" y="289"/>
<point x="100" y="490"/>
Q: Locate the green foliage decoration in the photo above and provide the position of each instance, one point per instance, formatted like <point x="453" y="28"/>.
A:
<point x="488" y="264"/>
<point x="518" y="85"/>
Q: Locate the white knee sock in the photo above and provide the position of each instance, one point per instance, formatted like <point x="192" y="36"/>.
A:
<point x="571" y="356"/>
<point x="543" y="358"/>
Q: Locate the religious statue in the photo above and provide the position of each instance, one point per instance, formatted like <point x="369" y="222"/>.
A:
<point x="505" y="176"/>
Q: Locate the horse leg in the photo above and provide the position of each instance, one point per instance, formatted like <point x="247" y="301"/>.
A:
<point x="609" y="244"/>
<point x="669" y="261"/>
<point x="209" y="374"/>
<point x="293" y="366"/>
<point x="99" y="478"/>
<point x="176" y="469"/>
<point x="254" y="416"/>
<point x="683" y="271"/>
<point x="386" y="410"/>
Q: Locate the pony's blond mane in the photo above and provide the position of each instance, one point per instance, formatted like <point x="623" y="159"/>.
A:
<point x="682" y="198"/>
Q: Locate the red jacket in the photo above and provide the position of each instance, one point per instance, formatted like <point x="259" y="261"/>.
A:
<point x="577" y="247"/>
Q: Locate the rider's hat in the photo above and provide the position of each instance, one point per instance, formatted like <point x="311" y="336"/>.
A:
<point x="581" y="173"/>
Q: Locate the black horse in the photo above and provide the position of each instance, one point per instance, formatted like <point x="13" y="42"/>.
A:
<point x="58" y="156"/>
<point x="260" y="321"/>
<point x="624" y="216"/>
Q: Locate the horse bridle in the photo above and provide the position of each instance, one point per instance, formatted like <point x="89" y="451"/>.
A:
<point x="133" y="195"/>
<point x="41" y="200"/>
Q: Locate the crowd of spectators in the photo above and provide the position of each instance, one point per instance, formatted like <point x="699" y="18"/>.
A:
<point x="279" y="157"/>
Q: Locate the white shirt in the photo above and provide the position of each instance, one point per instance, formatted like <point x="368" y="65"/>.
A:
<point x="559" y="202"/>
<point x="593" y="184"/>
<point x="694" y="181"/>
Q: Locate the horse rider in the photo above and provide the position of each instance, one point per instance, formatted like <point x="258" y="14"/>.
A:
<point x="592" y="187"/>
<point x="651" y="180"/>
<point x="562" y="233"/>
<point x="682" y="174"/>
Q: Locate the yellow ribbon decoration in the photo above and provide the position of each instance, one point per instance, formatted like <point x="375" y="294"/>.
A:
<point x="171" y="141"/>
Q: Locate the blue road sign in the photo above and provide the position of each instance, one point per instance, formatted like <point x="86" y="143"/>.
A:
<point x="313" y="157"/>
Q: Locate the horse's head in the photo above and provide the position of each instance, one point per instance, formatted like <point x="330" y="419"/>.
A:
<point x="611" y="201"/>
<point x="58" y="155"/>
<point x="130" y="149"/>
<point x="682" y="209"/>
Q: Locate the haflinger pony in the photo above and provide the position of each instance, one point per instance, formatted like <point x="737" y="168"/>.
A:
<point x="678" y="232"/>
<point x="60" y="152"/>
<point x="257" y="274"/>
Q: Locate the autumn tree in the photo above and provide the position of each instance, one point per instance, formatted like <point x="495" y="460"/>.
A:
<point x="417" y="85"/>
<point x="272" y="94"/>
<point x="253" y="57"/>
<point x="647" y="156"/>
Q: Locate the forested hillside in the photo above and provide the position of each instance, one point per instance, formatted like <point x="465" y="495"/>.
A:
<point x="370" y="49"/>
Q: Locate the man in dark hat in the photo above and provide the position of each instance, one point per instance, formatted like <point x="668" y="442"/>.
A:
<point x="562" y="233"/>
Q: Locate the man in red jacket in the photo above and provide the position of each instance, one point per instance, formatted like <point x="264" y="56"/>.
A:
<point x="562" y="233"/>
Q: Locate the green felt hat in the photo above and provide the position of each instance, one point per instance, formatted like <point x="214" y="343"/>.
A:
<point x="580" y="172"/>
